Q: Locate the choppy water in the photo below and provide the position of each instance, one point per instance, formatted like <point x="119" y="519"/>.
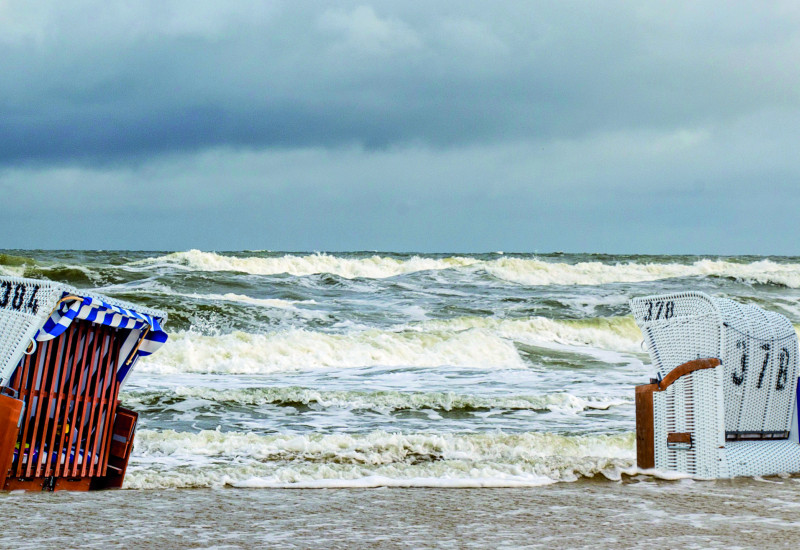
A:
<point x="379" y="369"/>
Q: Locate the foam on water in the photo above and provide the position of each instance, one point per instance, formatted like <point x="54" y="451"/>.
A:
<point x="606" y="333"/>
<point x="375" y="267"/>
<point x="380" y="401"/>
<point x="243" y="299"/>
<point x="214" y="458"/>
<point x="12" y="271"/>
<point x="467" y="342"/>
<point x="535" y="272"/>
<point x="527" y="271"/>
<point x="245" y="353"/>
<point x="153" y="287"/>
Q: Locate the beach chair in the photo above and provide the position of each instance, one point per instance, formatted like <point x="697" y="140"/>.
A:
<point x="724" y="402"/>
<point x="64" y="354"/>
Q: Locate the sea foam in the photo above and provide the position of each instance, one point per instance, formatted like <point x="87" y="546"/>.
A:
<point x="464" y="342"/>
<point x="217" y="458"/>
<point x="374" y="267"/>
<point x="246" y="353"/>
<point x="527" y="271"/>
<point x="383" y="401"/>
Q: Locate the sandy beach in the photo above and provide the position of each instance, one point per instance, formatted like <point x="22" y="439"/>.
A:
<point x="635" y="513"/>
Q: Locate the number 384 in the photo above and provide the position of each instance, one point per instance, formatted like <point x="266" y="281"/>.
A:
<point x="19" y="297"/>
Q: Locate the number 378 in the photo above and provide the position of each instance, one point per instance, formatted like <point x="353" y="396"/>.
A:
<point x="660" y="310"/>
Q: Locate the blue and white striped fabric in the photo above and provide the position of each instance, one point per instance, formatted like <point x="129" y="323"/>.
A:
<point x="103" y="313"/>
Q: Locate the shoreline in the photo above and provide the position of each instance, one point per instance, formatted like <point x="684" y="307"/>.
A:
<point x="591" y="513"/>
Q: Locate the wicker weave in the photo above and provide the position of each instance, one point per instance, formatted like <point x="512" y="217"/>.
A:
<point x="752" y="395"/>
<point x="20" y="319"/>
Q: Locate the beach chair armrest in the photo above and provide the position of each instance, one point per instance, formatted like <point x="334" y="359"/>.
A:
<point x="692" y="417"/>
<point x="684" y="369"/>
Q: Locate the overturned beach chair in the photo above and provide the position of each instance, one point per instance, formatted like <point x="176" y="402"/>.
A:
<point x="724" y="403"/>
<point x="64" y="354"/>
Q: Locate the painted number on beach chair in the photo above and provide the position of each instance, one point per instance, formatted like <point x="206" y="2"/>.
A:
<point x="783" y="369"/>
<point x="739" y="378"/>
<point x="766" y="348"/>
<point x="13" y="297"/>
<point x="660" y="310"/>
<point x="783" y="365"/>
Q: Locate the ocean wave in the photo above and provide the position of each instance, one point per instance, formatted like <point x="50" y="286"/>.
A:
<point x="463" y="342"/>
<point x="535" y="272"/>
<point x="246" y="353"/>
<point x="606" y="333"/>
<point x="214" y="458"/>
<point x="379" y="401"/>
<point x="14" y="266"/>
<point x="153" y="287"/>
<point x="374" y="267"/>
<point x="527" y="271"/>
<point x="73" y="274"/>
<point x="12" y="271"/>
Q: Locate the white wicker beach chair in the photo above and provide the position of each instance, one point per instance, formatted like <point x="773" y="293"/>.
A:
<point x="725" y="400"/>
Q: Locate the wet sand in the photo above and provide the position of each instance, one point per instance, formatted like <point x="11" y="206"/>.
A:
<point x="636" y="513"/>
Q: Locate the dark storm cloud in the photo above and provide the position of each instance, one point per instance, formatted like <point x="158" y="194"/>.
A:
<point x="432" y="126"/>
<point x="104" y="82"/>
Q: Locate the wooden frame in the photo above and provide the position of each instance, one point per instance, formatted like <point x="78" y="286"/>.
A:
<point x="645" y="430"/>
<point x="10" y="413"/>
<point x="72" y="434"/>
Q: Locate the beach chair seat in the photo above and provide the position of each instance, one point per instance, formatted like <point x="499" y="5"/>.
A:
<point x="724" y="400"/>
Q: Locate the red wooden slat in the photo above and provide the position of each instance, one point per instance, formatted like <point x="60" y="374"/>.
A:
<point x="85" y="399"/>
<point x="91" y="396"/>
<point x="105" y="407"/>
<point x="26" y="448"/>
<point x="41" y="378"/>
<point x="50" y="422"/>
<point x="70" y="402"/>
<point x="23" y="390"/>
<point x="112" y="403"/>
<point x="93" y="434"/>
<point x="60" y="417"/>
<point x="75" y="440"/>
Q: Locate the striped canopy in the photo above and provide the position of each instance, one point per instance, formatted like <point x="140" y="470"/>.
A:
<point x="73" y="307"/>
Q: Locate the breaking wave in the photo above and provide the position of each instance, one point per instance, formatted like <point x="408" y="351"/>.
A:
<point x="245" y="353"/>
<point x="526" y="271"/>
<point x="534" y="272"/>
<point x="379" y="401"/>
<point x="216" y="459"/>
<point x="14" y="266"/>
<point x="375" y="267"/>
<point x="464" y="342"/>
<point x="607" y="333"/>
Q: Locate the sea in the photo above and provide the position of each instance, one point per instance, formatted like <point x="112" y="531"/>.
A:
<point x="400" y="400"/>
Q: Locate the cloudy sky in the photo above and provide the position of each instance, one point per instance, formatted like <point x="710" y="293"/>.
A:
<point x="636" y="127"/>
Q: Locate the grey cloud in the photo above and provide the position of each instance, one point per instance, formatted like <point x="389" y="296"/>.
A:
<point x="728" y="190"/>
<point x="101" y="83"/>
<point x="579" y="126"/>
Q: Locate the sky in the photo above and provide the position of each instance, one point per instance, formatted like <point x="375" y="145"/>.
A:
<point x="428" y="126"/>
